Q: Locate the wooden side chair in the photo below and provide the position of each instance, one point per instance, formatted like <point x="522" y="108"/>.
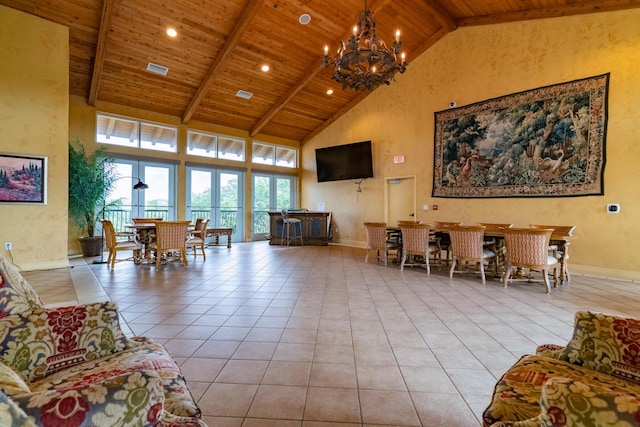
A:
<point x="197" y="236"/>
<point x="467" y="245"/>
<point x="417" y="242"/>
<point x="529" y="248"/>
<point x="560" y="249"/>
<point x="114" y="245"/>
<point x="377" y="241"/>
<point x="171" y="242"/>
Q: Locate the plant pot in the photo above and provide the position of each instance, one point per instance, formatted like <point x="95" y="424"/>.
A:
<point x="91" y="246"/>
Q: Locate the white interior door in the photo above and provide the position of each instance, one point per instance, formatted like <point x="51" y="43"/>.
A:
<point x="400" y="196"/>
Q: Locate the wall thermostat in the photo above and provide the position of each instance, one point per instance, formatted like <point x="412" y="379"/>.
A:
<point x="613" y="208"/>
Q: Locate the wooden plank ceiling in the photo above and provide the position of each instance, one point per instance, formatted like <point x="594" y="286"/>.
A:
<point x="222" y="44"/>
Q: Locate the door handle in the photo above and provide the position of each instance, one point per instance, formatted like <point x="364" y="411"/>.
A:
<point x="412" y="215"/>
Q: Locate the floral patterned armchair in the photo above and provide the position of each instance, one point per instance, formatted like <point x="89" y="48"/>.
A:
<point x="73" y="366"/>
<point x="592" y="381"/>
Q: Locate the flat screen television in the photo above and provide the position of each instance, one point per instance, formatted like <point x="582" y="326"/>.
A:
<point x="350" y="161"/>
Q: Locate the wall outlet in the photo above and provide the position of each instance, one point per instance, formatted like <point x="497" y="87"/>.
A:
<point x="8" y="246"/>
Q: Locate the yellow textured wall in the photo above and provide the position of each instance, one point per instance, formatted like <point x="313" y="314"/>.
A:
<point x="34" y="98"/>
<point x="479" y="63"/>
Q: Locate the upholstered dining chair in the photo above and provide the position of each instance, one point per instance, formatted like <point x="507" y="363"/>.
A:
<point x="467" y="245"/>
<point x="171" y="242"/>
<point x="417" y="242"/>
<point x="196" y="237"/>
<point x="441" y="228"/>
<point x="377" y="241"/>
<point x="529" y="248"/>
<point x="560" y="250"/>
<point x="114" y="245"/>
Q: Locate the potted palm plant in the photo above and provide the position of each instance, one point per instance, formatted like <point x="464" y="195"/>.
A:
<point x="91" y="179"/>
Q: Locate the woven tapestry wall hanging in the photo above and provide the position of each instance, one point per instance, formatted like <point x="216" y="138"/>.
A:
<point x="545" y="142"/>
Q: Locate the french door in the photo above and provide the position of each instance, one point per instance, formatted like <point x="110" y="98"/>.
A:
<point x="217" y="195"/>
<point x="157" y="201"/>
<point x="270" y="193"/>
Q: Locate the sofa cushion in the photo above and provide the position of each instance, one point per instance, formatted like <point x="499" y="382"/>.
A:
<point x="12" y="382"/>
<point x="605" y="343"/>
<point x="16" y="295"/>
<point x="40" y="342"/>
<point x="566" y="402"/>
<point x="516" y="396"/>
<point x="179" y="405"/>
<point x="130" y="399"/>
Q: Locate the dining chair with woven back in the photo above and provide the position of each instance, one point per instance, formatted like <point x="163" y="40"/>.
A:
<point x="467" y="245"/>
<point x="560" y="250"/>
<point x="196" y="238"/>
<point x="528" y="248"/>
<point x="114" y="245"/>
<point x="171" y="242"/>
<point x="377" y="241"/>
<point x="418" y="244"/>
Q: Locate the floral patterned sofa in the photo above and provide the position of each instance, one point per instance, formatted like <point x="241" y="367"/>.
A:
<point x="592" y="381"/>
<point x="73" y="366"/>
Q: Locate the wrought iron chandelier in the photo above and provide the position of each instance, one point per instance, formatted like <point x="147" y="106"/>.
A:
<point x="364" y="61"/>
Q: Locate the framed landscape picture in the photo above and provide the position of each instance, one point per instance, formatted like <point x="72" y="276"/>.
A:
<point x="23" y="179"/>
<point x="544" y="142"/>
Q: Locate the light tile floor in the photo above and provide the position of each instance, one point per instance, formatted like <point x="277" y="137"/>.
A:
<point x="313" y="336"/>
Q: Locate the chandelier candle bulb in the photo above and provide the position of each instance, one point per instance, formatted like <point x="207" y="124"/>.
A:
<point x="397" y="35"/>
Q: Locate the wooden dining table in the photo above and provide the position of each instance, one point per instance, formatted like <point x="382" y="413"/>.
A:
<point x="143" y="232"/>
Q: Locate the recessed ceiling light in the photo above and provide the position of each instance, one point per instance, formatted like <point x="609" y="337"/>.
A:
<point x="329" y="91"/>
<point x="265" y="68"/>
<point x="304" y="19"/>
<point x="171" y="32"/>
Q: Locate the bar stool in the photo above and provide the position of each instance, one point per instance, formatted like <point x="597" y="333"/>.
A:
<point x="286" y="228"/>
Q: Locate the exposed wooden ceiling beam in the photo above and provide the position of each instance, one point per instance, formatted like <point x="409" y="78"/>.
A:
<point x="592" y="6"/>
<point x="309" y="75"/>
<point x="105" y="24"/>
<point x="300" y="84"/>
<point x="247" y="16"/>
<point x="442" y="16"/>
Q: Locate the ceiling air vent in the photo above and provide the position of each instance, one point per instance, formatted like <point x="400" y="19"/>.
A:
<point x="244" y="94"/>
<point x="158" y="69"/>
